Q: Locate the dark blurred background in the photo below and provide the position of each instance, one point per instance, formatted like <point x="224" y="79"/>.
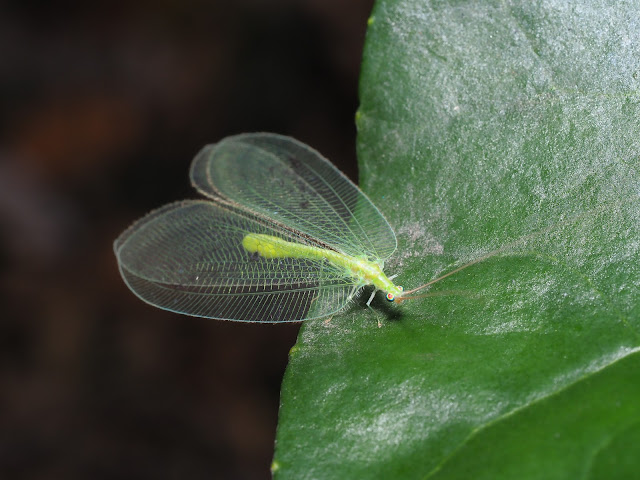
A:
<point x="104" y="104"/>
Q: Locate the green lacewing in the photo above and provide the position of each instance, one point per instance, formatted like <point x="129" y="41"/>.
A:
<point x="283" y="236"/>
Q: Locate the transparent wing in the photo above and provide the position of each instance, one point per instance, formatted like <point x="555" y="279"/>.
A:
<point x="287" y="181"/>
<point x="188" y="257"/>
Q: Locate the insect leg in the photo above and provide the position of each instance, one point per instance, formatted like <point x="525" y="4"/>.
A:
<point x="373" y="294"/>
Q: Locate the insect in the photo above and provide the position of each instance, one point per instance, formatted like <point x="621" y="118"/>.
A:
<point x="284" y="236"/>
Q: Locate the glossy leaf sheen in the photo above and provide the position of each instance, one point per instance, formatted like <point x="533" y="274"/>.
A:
<point x="487" y="125"/>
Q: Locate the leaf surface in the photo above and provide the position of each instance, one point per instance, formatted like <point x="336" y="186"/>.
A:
<point x="504" y="127"/>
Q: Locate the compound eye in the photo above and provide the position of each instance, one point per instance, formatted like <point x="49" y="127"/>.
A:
<point x="390" y="297"/>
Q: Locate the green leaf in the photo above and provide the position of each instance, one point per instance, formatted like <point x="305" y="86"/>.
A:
<point x="501" y="128"/>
